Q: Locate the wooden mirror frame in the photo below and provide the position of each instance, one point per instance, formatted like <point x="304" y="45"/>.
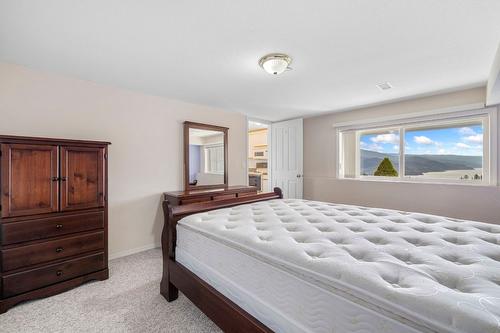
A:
<point x="187" y="126"/>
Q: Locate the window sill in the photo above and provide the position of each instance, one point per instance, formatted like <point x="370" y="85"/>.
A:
<point x="409" y="181"/>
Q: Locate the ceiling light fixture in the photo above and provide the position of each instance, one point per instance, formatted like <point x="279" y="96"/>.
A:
<point x="275" y="63"/>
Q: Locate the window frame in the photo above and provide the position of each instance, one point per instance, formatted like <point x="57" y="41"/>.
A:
<point x="487" y="116"/>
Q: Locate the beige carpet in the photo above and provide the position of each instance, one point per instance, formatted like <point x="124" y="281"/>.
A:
<point x="129" y="301"/>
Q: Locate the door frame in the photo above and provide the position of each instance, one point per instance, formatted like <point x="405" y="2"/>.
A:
<point x="269" y="150"/>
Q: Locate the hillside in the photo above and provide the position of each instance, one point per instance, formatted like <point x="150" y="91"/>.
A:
<point x="419" y="164"/>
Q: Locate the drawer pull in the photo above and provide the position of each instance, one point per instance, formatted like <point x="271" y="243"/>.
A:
<point x="59" y="226"/>
<point x="59" y="273"/>
<point x="59" y="249"/>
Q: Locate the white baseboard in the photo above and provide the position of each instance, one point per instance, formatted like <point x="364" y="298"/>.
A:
<point x="132" y="251"/>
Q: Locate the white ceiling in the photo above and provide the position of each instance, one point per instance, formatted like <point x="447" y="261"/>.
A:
<point x="207" y="51"/>
<point x="255" y="125"/>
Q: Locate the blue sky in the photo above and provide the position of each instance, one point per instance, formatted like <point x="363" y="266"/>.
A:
<point x="443" y="141"/>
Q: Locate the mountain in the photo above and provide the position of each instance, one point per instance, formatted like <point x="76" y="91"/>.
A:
<point x="419" y="164"/>
<point x="371" y="159"/>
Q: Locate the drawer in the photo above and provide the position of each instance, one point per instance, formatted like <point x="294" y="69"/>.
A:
<point x="17" y="232"/>
<point x="246" y="194"/>
<point x="28" y="255"/>
<point x="224" y="197"/>
<point x="19" y="283"/>
<point x="194" y="200"/>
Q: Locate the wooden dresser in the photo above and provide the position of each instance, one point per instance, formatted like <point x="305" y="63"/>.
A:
<point x="178" y="198"/>
<point x="53" y="218"/>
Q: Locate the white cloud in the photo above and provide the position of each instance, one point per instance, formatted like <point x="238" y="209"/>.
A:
<point x="442" y="151"/>
<point x="478" y="138"/>
<point x="386" y="138"/>
<point x="463" y="146"/>
<point x="371" y="146"/>
<point x="423" y="140"/>
<point x="466" y="131"/>
<point x="375" y="147"/>
<point x="396" y="147"/>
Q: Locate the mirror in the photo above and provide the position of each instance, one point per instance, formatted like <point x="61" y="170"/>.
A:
<point x="205" y="156"/>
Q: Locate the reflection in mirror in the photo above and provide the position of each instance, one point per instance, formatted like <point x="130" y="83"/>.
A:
<point x="206" y="157"/>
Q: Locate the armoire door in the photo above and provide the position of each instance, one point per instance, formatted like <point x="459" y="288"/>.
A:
<point x="29" y="179"/>
<point x="82" y="178"/>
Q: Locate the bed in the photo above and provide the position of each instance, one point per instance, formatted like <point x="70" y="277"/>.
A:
<point x="263" y="263"/>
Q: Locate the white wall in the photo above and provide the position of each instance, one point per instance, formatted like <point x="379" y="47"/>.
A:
<point x="493" y="86"/>
<point x="320" y="182"/>
<point x="146" y="156"/>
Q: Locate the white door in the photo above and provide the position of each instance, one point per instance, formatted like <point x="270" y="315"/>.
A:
<point x="287" y="157"/>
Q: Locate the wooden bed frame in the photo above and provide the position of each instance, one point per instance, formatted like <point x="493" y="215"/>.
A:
<point x="221" y="310"/>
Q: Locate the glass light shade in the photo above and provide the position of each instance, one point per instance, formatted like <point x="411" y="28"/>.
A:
<point x="275" y="66"/>
<point x="275" y="63"/>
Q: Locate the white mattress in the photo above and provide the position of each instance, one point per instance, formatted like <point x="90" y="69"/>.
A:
<point x="351" y="268"/>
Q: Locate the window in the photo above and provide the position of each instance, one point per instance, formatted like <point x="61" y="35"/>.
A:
<point x="214" y="158"/>
<point x="379" y="153"/>
<point x="446" y="150"/>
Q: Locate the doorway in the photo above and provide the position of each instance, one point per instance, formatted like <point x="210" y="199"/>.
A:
<point x="258" y="155"/>
<point x="275" y="156"/>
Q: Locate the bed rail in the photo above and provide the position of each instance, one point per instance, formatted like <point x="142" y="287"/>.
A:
<point x="175" y="276"/>
<point x="173" y="214"/>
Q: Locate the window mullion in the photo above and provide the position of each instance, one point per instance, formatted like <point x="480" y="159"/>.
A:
<point x="357" y="161"/>
<point x="401" y="152"/>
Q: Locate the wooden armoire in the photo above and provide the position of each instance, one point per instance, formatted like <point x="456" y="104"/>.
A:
<point x="53" y="216"/>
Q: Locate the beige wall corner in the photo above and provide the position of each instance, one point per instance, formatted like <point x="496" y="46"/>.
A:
<point x="146" y="156"/>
